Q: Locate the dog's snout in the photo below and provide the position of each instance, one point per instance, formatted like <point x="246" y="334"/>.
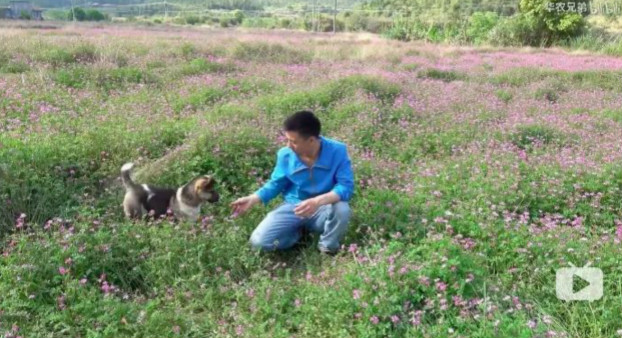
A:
<point x="214" y="198"/>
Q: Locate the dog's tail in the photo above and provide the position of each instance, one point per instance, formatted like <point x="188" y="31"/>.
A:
<point x="126" y="170"/>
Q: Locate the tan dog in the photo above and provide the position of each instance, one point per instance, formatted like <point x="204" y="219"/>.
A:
<point x="184" y="202"/>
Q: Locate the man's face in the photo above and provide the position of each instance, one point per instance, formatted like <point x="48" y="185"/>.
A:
<point x="299" y="144"/>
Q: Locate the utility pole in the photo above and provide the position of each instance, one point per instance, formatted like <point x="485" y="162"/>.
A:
<point x="313" y="17"/>
<point x="73" y="14"/>
<point x="334" y="17"/>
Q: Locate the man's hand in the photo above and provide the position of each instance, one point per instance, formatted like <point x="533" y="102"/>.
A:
<point x="241" y="205"/>
<point x="307" y="208"/>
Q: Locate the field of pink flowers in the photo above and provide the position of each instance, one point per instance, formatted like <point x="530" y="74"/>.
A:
<point x="479" y="172"/>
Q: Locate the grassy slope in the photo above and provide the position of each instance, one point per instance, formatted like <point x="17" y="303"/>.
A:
<point x="477" y="177"/>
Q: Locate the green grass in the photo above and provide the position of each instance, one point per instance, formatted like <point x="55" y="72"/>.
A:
<point x="518" y="77"/>
<point x="464" y="206"/>
<point x="504" y="95"/>
<point x="107" y="79"/>
<point x="201" y="66"/>
<point x="269" y="52"/>
<point x="437" y="74"/>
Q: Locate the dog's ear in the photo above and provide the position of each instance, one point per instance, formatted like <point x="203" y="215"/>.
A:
<point x="204" y="183"/>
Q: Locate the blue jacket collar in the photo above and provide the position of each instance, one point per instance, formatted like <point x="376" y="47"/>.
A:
<point x="323" y="160"/>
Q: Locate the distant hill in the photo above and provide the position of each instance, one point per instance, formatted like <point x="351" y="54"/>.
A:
<point x="224" y="4"/>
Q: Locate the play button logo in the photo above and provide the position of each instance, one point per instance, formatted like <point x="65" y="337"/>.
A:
<point x="575" y="283"/>
<point x="578" y="283"/>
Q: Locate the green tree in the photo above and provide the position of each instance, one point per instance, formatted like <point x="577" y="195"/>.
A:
<point x="238" y="15"/>
<point x="79" y="13"/>
<point x="480" y="25"/>
<point x="24" y="15"/>
<point x="554" y="19"/>
<point x="95" y="15"/>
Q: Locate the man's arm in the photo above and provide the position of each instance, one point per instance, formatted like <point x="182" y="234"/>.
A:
<point x="342" y="191"/>
<point x="327" y="198"/>
<point x="277" y="183"/>
<point x="345" y="180"/>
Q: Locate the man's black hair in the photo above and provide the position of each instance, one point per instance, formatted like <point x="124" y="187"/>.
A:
<point x="304" y="122"/>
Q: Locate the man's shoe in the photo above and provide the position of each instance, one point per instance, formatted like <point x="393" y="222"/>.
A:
<point x="327" y="251"/>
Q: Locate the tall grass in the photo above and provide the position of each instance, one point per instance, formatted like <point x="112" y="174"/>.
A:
<point x="473" y="185"/>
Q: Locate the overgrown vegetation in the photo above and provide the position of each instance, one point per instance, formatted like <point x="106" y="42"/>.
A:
<point x="475" y="181"/>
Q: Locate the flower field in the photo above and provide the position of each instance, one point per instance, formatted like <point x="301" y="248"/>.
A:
<point x="479" y="172"/>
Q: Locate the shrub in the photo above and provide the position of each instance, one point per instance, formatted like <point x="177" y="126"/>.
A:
<point x="516" y="30"/>
<point x="95" y="15"/>
<point x="76" y="13"/>
<point x="480" y="25"/>
<point x="193" y="20"/>
<point x="551" y="25"/>
<point x="24" y="15"/>
<point x="239" y="16"/>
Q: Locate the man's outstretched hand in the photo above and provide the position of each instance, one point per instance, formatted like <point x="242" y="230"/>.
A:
<point x="241" y="205"/>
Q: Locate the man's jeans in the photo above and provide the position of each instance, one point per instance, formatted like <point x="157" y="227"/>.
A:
<point x="281" y="228"/>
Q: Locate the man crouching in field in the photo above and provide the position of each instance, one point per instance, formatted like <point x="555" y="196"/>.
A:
<point x="314" y="175"/>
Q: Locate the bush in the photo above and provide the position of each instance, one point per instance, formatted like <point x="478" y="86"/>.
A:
<point x="480" y="25"/>
<point x="516" y="30"/>
<point x="412" y="28"/>
<point x="285" y="23"/>
<point x="78" y="13"/>
<point x="239" y="16"/>
<point x="551" y="25"/>
<point x="406" y="29"/>
<point x="193" y="20"/>
<point x="25" y="15"/>
<point x="357" y="21"/>
<point x="537" y="26"/>
<point x="95" y="15"/>
<point x="597" y="39"/>
<point x="326" y="25"/>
